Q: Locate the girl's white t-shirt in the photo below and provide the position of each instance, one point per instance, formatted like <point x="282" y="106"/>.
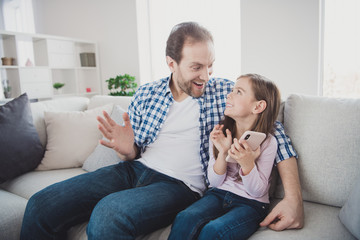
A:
<point x="176" y="151"/>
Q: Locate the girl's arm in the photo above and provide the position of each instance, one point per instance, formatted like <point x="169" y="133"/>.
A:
<point x="217" y="167"/>
<point x="215" y="178"/>
<point x="256" y="182"/>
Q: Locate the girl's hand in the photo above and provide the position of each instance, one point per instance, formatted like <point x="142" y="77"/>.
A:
<point x="244" y="155"/>
<point x="219" y="140"/>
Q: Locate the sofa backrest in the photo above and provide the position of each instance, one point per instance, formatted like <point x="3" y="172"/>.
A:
<point x="101" y="100"/>
<point x="56" y="105"/>
<point x="326" y="135"/>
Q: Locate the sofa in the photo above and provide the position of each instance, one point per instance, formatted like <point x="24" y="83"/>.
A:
<point x="325" y="132"/>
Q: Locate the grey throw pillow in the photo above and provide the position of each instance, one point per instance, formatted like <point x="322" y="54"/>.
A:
<point x="20" y="147"/>
<point x="350" y="213"/>
<point x="104" y="156"/>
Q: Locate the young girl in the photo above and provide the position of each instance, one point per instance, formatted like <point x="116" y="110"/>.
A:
<point x="237" y="200"/>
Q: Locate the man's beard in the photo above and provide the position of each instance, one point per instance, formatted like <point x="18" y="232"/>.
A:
<point x="187" y="88"/>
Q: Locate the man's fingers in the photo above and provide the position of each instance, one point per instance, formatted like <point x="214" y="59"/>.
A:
<point x="105" y="143"/>
<point x="273" y="222"/>
<point x="126" y="119"/>
<point x="269" y="219"/>
<point x="104" y="132"/>
<point x="109" y="119"/>
<point x="278" y="225"/>
<point x="104" y="123"/>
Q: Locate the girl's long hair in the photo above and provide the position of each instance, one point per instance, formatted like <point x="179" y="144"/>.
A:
<point x="263" y="89"/>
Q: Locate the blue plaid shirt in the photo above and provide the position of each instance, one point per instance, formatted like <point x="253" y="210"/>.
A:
<point x="152" y="101"/>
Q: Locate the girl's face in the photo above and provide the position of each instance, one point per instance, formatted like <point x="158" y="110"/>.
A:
<point x="241" y="101"/>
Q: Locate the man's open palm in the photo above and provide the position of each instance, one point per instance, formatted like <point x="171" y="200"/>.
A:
<point x="120" y="138"/>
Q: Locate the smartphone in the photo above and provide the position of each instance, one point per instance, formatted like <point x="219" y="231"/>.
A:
<point x="253" y="139"/>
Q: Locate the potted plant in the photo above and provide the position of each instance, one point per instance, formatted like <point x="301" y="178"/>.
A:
<point x="122" y="85"/>
<point x="58" y="86"/>
<point x="6" y="88"/>
<point x="7" y="92"/>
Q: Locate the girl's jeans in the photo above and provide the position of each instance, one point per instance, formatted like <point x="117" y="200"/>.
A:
<point x="122" y="201"/>
<point x="219" y="215"/>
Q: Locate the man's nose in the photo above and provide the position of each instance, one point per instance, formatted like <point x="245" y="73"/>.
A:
<point x="205" y="74"/>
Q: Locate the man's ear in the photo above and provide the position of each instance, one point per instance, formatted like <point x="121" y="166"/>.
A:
<point x="170" y="62"/>
<point x="260" y="106"/>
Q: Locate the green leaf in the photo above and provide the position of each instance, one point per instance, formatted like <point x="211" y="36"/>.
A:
<point x="122" y="85"/>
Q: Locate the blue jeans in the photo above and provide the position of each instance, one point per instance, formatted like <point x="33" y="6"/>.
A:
<point x="219" y="215"/>
<point x="121" y="202"/>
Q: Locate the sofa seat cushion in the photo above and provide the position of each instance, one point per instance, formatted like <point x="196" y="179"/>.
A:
<point x="321" y="222"/>
<point x="30" y="183"/>
<point x="78" y="232"/>
<point x="12" y="210"/>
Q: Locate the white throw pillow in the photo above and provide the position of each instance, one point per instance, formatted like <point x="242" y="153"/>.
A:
<point x="104" y="156"/>
<point x="72" y="136"/>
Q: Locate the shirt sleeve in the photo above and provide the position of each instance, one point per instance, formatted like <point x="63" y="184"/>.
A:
<point x="256" y="183"/>
<point x="215" y="179"/>
<point x="285" y="148"/>
<point x="135" y="116"/>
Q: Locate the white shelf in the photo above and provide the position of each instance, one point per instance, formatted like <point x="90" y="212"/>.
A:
<point x="53" y="59"/>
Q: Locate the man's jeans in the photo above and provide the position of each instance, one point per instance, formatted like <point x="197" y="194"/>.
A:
<point x="122" y="201"/>
<point x="219" y="215"/>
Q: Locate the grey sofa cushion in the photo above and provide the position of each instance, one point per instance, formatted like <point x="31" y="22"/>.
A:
<point x="103" y="156"/>
<point x="20" y="147"/>
<point x="350" y="212"/>
<point x="321" y="222"/>
<point x="12" y="210"/>
<point x="325" y="134"/>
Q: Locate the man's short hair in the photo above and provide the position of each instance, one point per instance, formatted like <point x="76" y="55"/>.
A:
<point x="185" y="32"/>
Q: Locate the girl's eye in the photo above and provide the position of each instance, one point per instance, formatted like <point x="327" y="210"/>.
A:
<point x="238" y="92"/>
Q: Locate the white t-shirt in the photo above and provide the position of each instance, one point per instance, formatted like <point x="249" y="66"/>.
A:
<point x="176" y="151"/>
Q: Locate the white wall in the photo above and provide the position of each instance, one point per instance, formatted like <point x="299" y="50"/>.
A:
<point x="280" y="40"/>
<point x="112" y="23"/>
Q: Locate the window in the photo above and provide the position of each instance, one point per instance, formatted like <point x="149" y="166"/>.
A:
<point x="156" y="19"/>
<point x="341" y="48"/>
<point x="18" y="15"/>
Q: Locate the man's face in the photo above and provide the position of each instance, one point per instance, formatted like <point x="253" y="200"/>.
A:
<point x="193" y="72"/>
